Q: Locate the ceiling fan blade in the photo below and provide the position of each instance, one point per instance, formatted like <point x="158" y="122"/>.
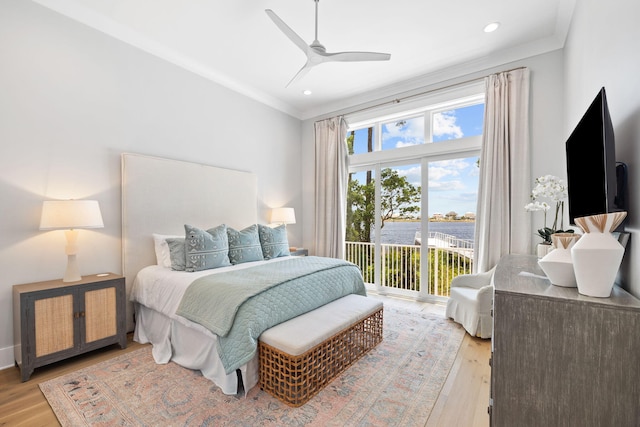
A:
<point x="296" y="39"/>
<point x="316" y="52"/>
<point x="301" y="73"/>
<point x="355" y="56"/>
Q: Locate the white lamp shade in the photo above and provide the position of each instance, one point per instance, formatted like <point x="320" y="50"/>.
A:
<point x="283" y="216"/>
<point x="70" y="214"/>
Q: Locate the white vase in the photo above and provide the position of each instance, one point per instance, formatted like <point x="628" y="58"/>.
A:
<point x="558" y="264"/>
<point x="597" y="255"/>
<point x="543" y="249"/>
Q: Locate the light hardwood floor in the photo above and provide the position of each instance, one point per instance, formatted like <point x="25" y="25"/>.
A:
<point x="464" y="398"/>
<point x="462" y="402"/>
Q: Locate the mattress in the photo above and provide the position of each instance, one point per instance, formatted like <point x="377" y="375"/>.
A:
<point x="157" y="292"/>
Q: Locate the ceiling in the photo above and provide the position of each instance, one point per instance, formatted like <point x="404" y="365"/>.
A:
<point x="234" y="42"/>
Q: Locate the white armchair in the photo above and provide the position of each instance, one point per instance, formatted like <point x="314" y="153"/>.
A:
<point x="471" y="301"/>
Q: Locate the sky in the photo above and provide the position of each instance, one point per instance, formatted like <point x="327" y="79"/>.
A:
<point x="453" y="184"/>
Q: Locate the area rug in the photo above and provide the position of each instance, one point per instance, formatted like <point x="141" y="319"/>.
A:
<point x="395" y="384"/>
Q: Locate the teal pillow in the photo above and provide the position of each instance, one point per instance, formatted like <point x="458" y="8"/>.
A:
<point x="176" y="253"/>
<point x="274" y="241"/>
<point x="244" y="245"/>
<point x="206" y="249"/>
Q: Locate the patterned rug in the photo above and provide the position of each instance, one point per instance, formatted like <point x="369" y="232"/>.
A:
<point x="395" y="384"/>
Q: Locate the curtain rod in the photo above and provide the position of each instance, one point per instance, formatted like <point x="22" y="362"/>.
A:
<point x="415" y="95"/>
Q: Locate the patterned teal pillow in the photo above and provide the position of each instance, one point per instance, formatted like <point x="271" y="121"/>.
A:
<point x="244" y="245"/>
<point x="206" y="249"/>
<point x="274" y="241"/>
<point x="176" y="253"/>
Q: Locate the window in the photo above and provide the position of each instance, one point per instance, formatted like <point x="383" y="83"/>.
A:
<point x="412" y="195"/>
<point x="363" y="140"/>
<point x="403" y="132"/>
<point x="457" y="123"/>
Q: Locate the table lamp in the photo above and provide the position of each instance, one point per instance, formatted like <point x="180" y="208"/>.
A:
<point x="71" y="215"/>
<point x="283" y="216"/>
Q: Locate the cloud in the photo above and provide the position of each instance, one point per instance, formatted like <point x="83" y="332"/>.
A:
<point x="437" y="173"/>
<point x="457" y="164"/>
<point x="467" y="197"/>
<point x="444" y="124"/>
<point x="413" y="175"/>
<point x="406" y="132"/>
<point x="445" y="175"/>
<point x="452" y="185"/>
<point x="447" y="168"/>
<point x="401" y="144"/>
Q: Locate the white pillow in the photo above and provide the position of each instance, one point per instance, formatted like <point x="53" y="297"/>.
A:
<point x="163" y="256"/>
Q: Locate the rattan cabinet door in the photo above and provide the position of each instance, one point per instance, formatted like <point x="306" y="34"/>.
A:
<point x="54" y="329"/>
<point x="100" y="314"/>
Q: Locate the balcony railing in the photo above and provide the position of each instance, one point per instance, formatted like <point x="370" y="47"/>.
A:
<point x="448" y="257"/>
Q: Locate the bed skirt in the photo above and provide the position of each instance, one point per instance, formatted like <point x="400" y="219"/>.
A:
<point x="191" y="348"/>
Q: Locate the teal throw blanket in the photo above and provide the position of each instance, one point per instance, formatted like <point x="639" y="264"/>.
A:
<point x="239" y="305"/>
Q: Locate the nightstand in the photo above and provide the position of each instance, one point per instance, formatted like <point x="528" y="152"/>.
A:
<point x="55" y="320"/>
<point x="300" y="252"/>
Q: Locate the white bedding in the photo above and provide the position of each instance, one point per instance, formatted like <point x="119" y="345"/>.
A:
<point x="157" y="292"/>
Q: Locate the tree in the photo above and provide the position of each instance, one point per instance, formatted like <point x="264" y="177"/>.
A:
<point x="399" y="200"/>
<point x="451" y="215"/>
<point x="360" y="206"/>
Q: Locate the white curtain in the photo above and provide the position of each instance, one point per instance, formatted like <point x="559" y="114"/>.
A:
<point x="332" y="172"/>
<point x="502" y="225"/>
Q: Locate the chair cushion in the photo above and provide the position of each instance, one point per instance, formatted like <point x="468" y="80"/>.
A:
<point x="464" y="308"/>
<point x="466" y="296"/>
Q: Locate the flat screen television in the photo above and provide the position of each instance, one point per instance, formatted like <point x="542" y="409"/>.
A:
<point x="592" y="179"/>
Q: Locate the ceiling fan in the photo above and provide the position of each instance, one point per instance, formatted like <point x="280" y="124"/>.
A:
<point x="316" y="52"/>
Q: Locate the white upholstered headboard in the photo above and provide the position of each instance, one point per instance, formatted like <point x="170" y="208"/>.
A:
<point x="161" y="195"/>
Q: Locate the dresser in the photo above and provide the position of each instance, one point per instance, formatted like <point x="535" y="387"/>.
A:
<point x="560" y="358"/>
<point x="54" y="320"/>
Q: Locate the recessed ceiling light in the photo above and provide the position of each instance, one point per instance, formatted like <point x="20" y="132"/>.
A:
<point x="490" y="28"/>
<point x="307" y="92"/>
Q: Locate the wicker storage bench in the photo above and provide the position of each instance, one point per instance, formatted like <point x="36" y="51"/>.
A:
<point x="301" y="356"/>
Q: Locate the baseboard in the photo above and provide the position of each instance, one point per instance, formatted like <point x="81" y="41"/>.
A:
<point x="6" y="358"/>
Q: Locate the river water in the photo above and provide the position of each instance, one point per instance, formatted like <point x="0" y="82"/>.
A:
<point x="403" y="232"/>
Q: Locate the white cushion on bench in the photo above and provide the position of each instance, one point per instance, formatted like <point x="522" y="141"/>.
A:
<point x="304" y="332"/>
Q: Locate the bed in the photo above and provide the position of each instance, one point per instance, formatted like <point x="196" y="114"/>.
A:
<point x="164" y="197"/>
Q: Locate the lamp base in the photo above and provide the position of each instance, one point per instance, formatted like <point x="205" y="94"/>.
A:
<point x="72" y="274"/>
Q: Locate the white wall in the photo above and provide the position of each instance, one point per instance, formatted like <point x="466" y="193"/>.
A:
<point x="71" y="101"/>
<point x="547" y="136"/>
<point x="602" y="50"/>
